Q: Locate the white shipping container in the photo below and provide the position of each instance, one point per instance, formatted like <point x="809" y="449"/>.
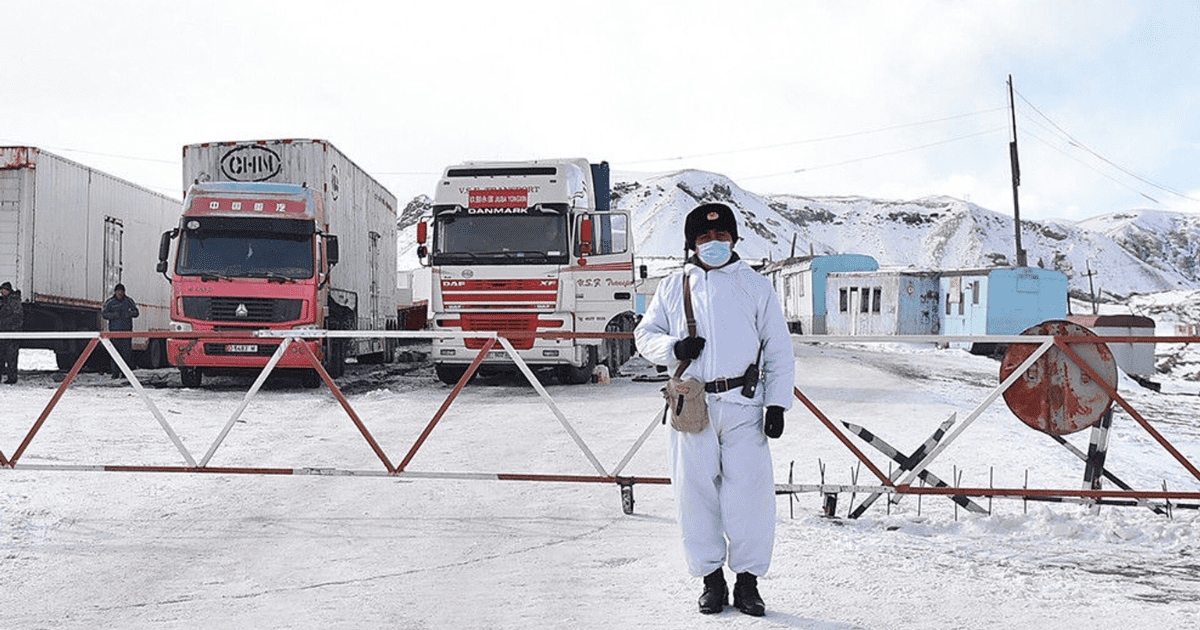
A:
<point x="360" y="211"/>
<point x="68" y="234"/>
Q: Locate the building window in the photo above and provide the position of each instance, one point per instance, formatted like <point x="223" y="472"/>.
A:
<point x="975" y="292"/>
<point x="865" y="304"/>
<point x="843" y="300"/>
<point x="876" y="298"/>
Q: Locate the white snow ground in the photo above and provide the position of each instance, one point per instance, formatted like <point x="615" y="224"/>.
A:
<point x="163" y="550"/>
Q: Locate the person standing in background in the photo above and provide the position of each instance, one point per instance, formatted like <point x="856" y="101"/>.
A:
<point x="12" y="319"/>
<point x="119" y="310"/>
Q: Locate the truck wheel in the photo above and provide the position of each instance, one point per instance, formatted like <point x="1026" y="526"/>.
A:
<point x="618" y="351"/>
<point x="65" y="359"/>
<point x="155" y="354"/>
<point x="310" y="379"/>
<point x="449" y="374"/>
<point x="190" y="376"/>
<point x="571" y="375"/>
<point x="335" y="358"/>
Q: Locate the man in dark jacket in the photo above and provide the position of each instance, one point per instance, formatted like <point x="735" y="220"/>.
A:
<point x="12" y="319"/>
<point x="120" y="310"/>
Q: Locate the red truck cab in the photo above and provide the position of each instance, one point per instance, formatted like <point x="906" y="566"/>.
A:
<point x="250" y="256"/>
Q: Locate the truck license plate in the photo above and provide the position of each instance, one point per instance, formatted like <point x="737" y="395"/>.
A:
<point x="241" y="348"/>
<point x="497" y="354"/>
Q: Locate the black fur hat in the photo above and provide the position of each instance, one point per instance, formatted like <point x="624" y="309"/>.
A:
<point x="6" y="285"/>
<point x="709" y="216"/>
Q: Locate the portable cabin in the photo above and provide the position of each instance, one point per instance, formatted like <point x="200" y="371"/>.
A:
<point x="1000" y="301"/>
<point x="1135" y="359"/>
<point x="883" y="302"/>
<point x="800" y="283"/>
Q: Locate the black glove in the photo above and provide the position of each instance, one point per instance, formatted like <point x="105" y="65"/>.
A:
<point x="688" y="348"/>
<point x="773" y="424"/>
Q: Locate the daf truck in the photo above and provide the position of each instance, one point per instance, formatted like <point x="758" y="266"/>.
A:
<point x="527" y="250"/>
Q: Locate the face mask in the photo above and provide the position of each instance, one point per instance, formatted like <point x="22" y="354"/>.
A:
<point x="715" y="253"/>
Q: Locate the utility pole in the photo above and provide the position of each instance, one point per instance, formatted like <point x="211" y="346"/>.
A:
<point x="1091" y="288"/>
<point x="1016" y="174"/>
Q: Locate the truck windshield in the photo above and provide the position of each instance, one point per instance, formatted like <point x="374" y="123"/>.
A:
<point x="230" y="254"/>
<point x="501" y="239"/>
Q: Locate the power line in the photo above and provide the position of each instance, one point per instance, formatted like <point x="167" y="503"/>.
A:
<point x="86" y="152"/>
<point x="877" y="155"/>
<point x="1089" y="166"/>
<point x="843" y="136"/>
<point x="1072" y="141"/>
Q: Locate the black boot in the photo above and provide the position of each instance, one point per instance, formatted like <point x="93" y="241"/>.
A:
<point x="715" y="594"/>
<point x="746" y="597"/>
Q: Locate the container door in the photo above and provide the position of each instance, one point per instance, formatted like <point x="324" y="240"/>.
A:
<point x="10" y="199"/>
<point x="114" y="236"/>
<point x="373" y="290"/>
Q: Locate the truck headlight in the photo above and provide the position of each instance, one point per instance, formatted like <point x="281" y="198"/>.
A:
<point x="175" y="326"/>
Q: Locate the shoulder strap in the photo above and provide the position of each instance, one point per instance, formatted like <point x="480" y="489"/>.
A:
<point x="687" y="305"/>
<point x="691" y="319"/>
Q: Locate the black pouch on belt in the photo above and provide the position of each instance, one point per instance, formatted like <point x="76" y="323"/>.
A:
<point x="750" y="378"/>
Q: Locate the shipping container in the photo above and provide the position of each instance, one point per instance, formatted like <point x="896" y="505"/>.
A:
<point x="68" y="234"/>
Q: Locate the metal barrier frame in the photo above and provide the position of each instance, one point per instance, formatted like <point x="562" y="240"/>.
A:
<point x="192" y="465"/>
<point x="1094" y="496"/>
<point x="904" y="485"/>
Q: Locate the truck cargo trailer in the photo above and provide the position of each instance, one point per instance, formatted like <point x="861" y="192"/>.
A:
<point x="68" y="234"/>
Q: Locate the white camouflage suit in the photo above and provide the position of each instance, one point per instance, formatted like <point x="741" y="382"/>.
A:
<point x="722" y="477"/>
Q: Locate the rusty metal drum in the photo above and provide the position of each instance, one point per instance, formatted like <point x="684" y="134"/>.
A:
<point x="1055" y="395"/>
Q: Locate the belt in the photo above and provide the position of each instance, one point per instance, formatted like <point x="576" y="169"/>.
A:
<point x="723" y="385"/>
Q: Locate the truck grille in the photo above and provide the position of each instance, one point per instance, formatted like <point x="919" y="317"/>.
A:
<point x="511" y="322"/>
<point x="500" y="294"/>
<point x="242" y="309"/>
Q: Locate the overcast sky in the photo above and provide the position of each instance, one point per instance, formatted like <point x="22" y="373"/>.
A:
<point x="890" y="99"/>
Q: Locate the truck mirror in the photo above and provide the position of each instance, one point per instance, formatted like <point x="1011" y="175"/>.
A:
<point x="644" y="272"/>
<point x="164" y="250"/>
<point x="421" y="233"/>
<point x="422" y="252"/>
<point x="164" y="247"/>
<point x="331" y="249"/>
<point x="585" y="235"/>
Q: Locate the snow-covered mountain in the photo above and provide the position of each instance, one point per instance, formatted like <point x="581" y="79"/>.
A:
<point x="1137" y="252"/>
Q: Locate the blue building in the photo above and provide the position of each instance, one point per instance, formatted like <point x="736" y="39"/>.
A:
<point x="801" y="283"/>
<point x="1000" y="301"/>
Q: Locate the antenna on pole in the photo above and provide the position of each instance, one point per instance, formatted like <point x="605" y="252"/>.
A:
<point x="1016" y="174"/>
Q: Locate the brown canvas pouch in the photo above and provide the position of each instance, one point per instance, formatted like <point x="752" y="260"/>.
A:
<point x="686" y="405"/>
<point x="688" y="408"/>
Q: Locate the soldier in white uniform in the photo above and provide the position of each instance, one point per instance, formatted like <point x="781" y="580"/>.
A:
<point x="722" y="476"/>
